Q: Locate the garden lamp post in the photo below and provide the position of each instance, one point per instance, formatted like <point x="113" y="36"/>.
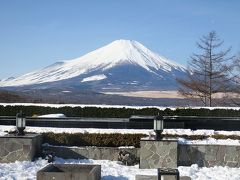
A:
<point x="20" y="123"/>
<point x="158" y="126"/>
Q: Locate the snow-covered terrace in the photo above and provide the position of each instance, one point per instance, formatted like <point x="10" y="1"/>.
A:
<point x="113" y="170"/>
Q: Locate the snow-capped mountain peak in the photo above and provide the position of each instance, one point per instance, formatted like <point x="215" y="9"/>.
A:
<point x="117" y="53"/>
<point x="128" y="51"/>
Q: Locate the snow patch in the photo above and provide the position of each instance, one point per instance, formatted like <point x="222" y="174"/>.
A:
<point x="76" y="130"/>
<point x="66" y="91"/>
<point x="94" y="78"/>
<point x="208" y="141"/>
<point x="52" y="116"/>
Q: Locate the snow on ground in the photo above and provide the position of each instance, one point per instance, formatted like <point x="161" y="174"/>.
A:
<point x="111" y="106"/>
<point x="136" y="131"/>
<point x="113" y="170"/>
<point x="110" y="169"/>
<point x="210" y="140"/>
<point x="25" y="170"/>
<point x="121" y="131"/>
<point x="82" y="105"/>
<point x="76" y="130"/>
<point x="52" y="116"/>
<point x="212" y="173"/>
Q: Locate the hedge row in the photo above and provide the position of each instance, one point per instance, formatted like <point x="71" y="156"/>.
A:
<point x="114" y="112"/>
<point x="114" y="140"/>
<point x="100" y="140"/>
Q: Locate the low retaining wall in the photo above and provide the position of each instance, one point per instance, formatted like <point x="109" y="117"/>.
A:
<point x="203" y="155"/>
<point x="209" y="155"/>
<point x="91" y="152"/>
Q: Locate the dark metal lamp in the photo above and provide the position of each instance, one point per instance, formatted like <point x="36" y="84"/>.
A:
<point x="20" y="123"/>
<point x="158" y="126"/>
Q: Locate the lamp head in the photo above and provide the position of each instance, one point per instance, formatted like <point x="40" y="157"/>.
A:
<point x="158" y="126"/>
<point x="20" y="123"/>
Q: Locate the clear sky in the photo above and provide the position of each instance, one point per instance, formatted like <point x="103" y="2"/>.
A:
<point x="35" y="34"/>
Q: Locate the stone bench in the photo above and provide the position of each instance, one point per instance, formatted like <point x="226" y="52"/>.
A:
<point x="70" y="172"/>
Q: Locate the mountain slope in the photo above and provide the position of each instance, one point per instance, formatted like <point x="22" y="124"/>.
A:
<point x="120" y="65"/>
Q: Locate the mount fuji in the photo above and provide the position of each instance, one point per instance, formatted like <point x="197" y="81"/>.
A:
<point x="123" y="65"/>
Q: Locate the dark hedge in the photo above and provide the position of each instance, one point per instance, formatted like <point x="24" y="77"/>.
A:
<point x="114" y="112"/>
<point x="100" y="140"/>
<point x="114" y="140"/>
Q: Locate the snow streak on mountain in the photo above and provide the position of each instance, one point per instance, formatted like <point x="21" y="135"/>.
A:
<point x="120" y="65"/>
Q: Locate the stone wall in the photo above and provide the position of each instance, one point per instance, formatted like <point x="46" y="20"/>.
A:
<point x="21" y="148"/>
<point x="209" y="155"/>
<point x="91" y="152"/>
<point x="203" y="155"/>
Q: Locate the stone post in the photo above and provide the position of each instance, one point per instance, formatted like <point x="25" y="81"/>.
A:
<point x="20" y="148"/>
<point x="158" y="153"/>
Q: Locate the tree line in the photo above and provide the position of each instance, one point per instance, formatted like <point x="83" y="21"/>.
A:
<point x="33" y="111"/>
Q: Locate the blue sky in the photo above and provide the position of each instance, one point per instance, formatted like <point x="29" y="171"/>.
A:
<point x="35" y="34"/>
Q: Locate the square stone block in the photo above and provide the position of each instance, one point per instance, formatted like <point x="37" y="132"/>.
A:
<point x="146" y="177"/>
<point x="152" y="177"/>
<point x="70" y="172"/>
<point x="20" y="148"/>
<point x="168" y="174"/>
<point x="158" y="154"/>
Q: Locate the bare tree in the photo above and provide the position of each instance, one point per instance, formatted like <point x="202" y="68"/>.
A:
<point x="235" y="86"/>
<point x="208" y="70"/>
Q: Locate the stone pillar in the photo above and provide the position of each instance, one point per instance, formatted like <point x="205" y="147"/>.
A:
<point x="20" y="148"/>
<point x="158" y="154"/>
